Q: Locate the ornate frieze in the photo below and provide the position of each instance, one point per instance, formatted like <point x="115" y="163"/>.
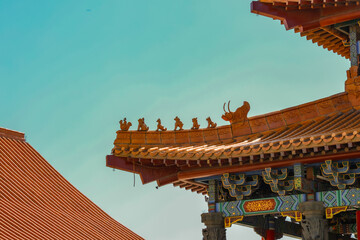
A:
<point x="237" y="185"/>
<point x="265" y="205"/>
<point x="278" y="180"/>
<point x="261" y="206"/>
<point x="339" y="176"/>
<point x="347" y="197"/>
<point x="333" y="201"/>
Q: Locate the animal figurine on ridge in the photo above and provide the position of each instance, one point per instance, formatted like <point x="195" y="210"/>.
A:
<point x="196" y="125"/>
<point x="178" y="123"/>
<point x="125" y="125"/>
<point x="142" y="126"/>
<point x="240" y="115"/>
<point x="159" y="126"/>
<point x="211" y="124"/>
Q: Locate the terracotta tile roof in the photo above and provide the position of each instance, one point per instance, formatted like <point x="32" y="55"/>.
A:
<point x="321" y="128"/>
<point x="296" y="121"/>
<point x="338" y="128"/>
<point x="12" y="134"/>
<point x="36" y="202"/>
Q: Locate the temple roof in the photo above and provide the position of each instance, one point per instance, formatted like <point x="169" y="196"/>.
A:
<point x="38" y="203"/>
<point x="309" y="3"/>
<point x="321" y="21"/>
<point x="306" y="133"/>
<point x="316" y="117"/>
<point x="336" y="127"/>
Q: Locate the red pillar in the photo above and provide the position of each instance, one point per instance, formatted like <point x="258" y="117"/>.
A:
<point x="358" y="224"/>
<point x="270" y="234"/>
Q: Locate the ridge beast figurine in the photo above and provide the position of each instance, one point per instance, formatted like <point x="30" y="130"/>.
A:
<point x="178" y="123"/>
<point x="142" y="126"/>
<point x="240" y="115"/>
<point x="211" y="124"/>
<point x="196" y="125"/>
<point x="159" y="126"/>
<point x="124" y="125"/>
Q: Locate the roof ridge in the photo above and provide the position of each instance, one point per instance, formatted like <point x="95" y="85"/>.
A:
<point x="320" y="109"/>
<point x="7" y="133"/>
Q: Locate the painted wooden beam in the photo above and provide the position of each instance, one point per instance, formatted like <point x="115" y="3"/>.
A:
<point x="306" y="19"/>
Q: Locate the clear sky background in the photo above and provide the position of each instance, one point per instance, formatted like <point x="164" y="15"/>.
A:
<point x="70" y="70"/>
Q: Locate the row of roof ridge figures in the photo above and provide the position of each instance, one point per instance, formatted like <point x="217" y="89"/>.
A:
<point x="240" y="115"/>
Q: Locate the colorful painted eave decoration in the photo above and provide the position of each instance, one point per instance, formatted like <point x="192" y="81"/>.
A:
<point x="334" y="202"/>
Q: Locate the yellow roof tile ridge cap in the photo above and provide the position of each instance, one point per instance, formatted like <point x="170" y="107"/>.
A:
<point x="301" y="105"/>
<point x="142" y="136"/>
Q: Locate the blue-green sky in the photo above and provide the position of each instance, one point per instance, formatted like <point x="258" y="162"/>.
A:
<point x="70" y="70"/>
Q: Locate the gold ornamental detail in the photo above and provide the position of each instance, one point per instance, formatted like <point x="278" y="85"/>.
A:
<point x="260" y="206"/>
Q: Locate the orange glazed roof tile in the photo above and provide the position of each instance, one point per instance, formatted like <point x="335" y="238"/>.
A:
<point x="36" y="202"/>
<point x="308" y="132"/>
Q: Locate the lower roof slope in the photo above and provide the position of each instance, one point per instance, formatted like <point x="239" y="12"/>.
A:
<point x="36" y="202"/>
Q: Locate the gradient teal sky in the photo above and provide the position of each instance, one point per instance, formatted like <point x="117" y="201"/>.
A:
<point x="70" y="70"/>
